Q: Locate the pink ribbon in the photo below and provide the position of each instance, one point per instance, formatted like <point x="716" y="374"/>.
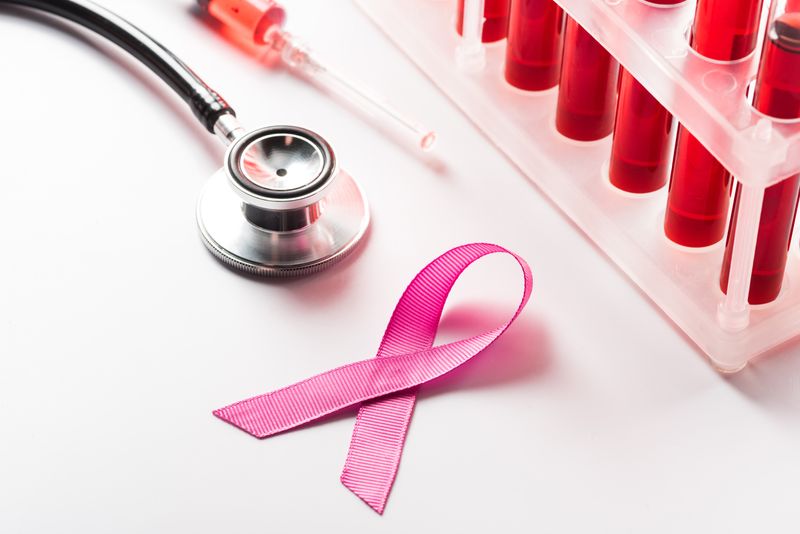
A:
<point x="386" y="385"/>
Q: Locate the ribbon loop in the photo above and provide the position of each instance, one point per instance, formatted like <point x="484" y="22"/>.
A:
<point x="386" y="385"/>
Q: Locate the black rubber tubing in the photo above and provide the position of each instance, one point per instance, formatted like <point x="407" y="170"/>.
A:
<point x="205" y="103"/>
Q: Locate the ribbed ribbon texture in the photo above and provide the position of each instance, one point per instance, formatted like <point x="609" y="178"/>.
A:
<point x="384" y="386"/>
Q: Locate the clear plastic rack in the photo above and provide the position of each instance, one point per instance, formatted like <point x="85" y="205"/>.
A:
<point x="707" y="96"/>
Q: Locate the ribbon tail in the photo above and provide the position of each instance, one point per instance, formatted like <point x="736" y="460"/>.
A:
<point x="377" y="446"/>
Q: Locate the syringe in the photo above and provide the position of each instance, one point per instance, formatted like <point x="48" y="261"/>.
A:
<point x="261" y="23"/>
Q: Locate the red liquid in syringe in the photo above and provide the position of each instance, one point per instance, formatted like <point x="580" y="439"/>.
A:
<point x="250" y="19"/>
<point x="535" y="38"/>
<point x="588" y="87"/>
<point x="777" y="94"/>
<point x="699" y="192"/>
<point x="495" y="25"/>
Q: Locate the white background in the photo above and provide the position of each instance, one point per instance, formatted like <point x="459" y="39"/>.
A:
<point x="119" y="333"/>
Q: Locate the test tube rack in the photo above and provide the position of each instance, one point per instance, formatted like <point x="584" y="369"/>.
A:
<point x="708" y="97"/>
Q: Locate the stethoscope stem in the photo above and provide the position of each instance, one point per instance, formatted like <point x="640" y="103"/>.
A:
<point x="228" y="129"/>
<point x="207" y="106"/>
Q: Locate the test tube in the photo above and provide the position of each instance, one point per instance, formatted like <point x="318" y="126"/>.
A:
<point x="640" y="150"/>
<point x="777" y="94"/>
<point x="495" y="25"/>
<point x="700" y="187"/>
<point x="535" y="41"/>
<point x="588" y="87"/>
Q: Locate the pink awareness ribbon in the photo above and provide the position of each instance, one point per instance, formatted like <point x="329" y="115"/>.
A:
<point x="386" y="385"/>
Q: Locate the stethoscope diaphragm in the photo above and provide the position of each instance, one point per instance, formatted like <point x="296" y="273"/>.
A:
<point x="281" y="206"/>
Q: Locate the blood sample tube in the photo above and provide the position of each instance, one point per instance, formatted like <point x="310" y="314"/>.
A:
<point x="777" y="93"/>
<point x="587" y="90"/>
<point x="535" y="38"/>
<point x="699" y="191"/>
<point x="641" y="147"/>
<point x="640" y="150"/>
<point x="495" y="23"/>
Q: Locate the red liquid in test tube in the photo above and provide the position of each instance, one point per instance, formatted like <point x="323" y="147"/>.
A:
<point x="495" y="24"/>
<point x="777" y="94"/>
<point x="641" y="148"/>
<point x="587" y="91"/>
<point x="640" y="151"/>
<point x="535" y="38"/>
<point x="699" y="192"/>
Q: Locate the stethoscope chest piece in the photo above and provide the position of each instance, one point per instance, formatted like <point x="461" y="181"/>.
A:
<point x="280" y="206"/>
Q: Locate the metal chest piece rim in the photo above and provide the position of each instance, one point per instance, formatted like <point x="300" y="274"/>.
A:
<point x="280" y="206"/>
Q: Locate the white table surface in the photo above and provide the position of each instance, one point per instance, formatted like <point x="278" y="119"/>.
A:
<point x="119" y="333"/>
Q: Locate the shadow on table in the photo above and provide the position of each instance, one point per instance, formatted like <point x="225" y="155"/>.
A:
<point x="773" y="382"/>
<point x="521" y="354"/>
<point x="316" y="289"/>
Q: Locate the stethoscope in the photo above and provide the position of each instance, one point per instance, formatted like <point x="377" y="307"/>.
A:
<point x="280" y="205"/>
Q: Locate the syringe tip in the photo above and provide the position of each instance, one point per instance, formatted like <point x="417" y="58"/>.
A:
<point x="428" y="141"/>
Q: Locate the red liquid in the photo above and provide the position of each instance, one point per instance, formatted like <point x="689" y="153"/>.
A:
<point x="700" y="190"/>
<point x="588" y="85"/>
<point x="699" y="195"/>
<point x="726" y="30"/>
<point x="535" y="37"/>
<point x="640" y="151"/>
<point x="777" y="94"/>
<point x="496" y="24"/>
<point x="249" y="18"/>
